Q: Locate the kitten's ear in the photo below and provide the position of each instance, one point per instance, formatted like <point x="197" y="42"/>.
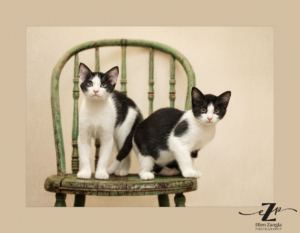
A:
<point x="197" y="96"/>
<point x="224" y="98"/>
<point x="84" y="72"/>
<point x="112" y="75"/>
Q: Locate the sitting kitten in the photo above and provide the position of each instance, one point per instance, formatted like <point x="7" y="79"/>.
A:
<point x="168" y="141"/>
<point x="106" y="115"/>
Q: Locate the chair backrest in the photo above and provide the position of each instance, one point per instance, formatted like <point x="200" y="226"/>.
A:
<point x="58" y="137"/>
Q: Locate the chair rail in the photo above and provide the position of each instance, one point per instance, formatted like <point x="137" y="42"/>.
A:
<point x="56" y="118"/>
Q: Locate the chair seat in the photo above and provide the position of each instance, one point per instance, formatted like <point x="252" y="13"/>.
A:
<point x="130" y="185"/>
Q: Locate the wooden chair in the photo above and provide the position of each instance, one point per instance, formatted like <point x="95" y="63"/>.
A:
<point x="130" y="185"/>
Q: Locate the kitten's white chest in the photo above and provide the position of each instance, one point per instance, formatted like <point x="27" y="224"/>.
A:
<point x="97" y="118"/>
<point x="201" y="135"/>
<point x="204" y="138"/>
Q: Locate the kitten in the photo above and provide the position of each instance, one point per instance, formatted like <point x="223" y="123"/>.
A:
<point x="106" y="115"/>
<point x="168" y="141"/>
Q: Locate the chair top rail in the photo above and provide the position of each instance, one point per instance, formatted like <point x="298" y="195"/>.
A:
<point x="58" y="137"/>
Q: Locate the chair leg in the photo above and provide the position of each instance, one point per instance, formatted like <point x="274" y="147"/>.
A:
<point x="179" y="200"/>
<point x="79" y="200"/>
<point x="60" y="200"/>
<point x="163" y="200"/>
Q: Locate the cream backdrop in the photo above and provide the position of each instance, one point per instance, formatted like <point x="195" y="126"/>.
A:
<point x="237" y="166"/>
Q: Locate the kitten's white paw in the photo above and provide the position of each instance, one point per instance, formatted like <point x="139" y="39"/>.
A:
<point x="147" y="176"/>
<point x="101" y="175"/>
<point x="191" y="173"/>
<point x="84" y="174"/>
<point x="121" y="172"/>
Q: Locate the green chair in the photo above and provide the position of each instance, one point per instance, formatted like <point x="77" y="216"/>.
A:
<point x="131" y="185"/>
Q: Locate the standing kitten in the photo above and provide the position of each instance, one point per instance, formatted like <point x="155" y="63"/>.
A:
<point x="106" y="115"/>
<point x="168" y="141"/>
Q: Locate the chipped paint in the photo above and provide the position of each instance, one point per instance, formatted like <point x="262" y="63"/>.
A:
<point x="130" y="185"/>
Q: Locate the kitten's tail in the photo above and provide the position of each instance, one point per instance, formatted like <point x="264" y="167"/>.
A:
<point x="113" y="167"/>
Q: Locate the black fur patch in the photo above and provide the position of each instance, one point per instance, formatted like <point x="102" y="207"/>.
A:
<point x="194" y="154"/>
<point x="181" y="128"/>
<point x="173" y="164"/>
<point x="152" y="134"/>
<point x="156" y="168"/>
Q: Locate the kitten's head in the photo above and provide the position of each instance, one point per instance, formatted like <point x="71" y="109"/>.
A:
<point x="97" y="86"/>
<point x="209" y="109"/>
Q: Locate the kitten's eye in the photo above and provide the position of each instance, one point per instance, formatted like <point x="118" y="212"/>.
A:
<point x="203" y="109"/>
<point x="217" y="110"/>
<point x="90" y="83"/>
<point x="103" y="85"/>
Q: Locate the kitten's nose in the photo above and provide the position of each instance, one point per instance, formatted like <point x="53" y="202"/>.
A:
<point x="96" y="92"/>
<point x="209" y="118"/>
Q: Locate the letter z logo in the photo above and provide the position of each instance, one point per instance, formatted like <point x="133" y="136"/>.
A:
<point x="269" y="211"/>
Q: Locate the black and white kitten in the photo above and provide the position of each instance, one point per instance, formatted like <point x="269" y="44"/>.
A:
<point x="106" y="115"/>
<point x="168" y="141"/>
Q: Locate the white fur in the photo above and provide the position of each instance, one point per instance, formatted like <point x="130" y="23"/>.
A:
<point x="97" y="120"/>
<point x="165" y="157"/>
<point x="200" y="132"/>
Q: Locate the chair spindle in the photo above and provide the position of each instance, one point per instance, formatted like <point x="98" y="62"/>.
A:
<point x="151" y="82"/>
<point x="123" y="74"/>
<point x="97" y="60"/>
<point x="75" y="161"/>
<point x="172" y="94"/>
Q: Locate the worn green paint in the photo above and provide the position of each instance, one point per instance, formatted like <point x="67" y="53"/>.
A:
<point x="172" y="83"/>
<point x="130" y="185"/>
<point x="56" y="115"/>
<point x="60" y="200"/>
<point x="176" y="184"/>
<point x="123" y="74"/>
<point x="163" y="200"/>
<point x="79" y="200"/>
<point x="151" y="81"/>
<point x="97" y="60"/>
<point x="53" y="182"/>
<point x="179" y="200"/>
<point x="75" y="156"/>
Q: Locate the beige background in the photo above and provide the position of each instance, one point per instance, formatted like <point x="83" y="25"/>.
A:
<point x="237" y="166"/>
